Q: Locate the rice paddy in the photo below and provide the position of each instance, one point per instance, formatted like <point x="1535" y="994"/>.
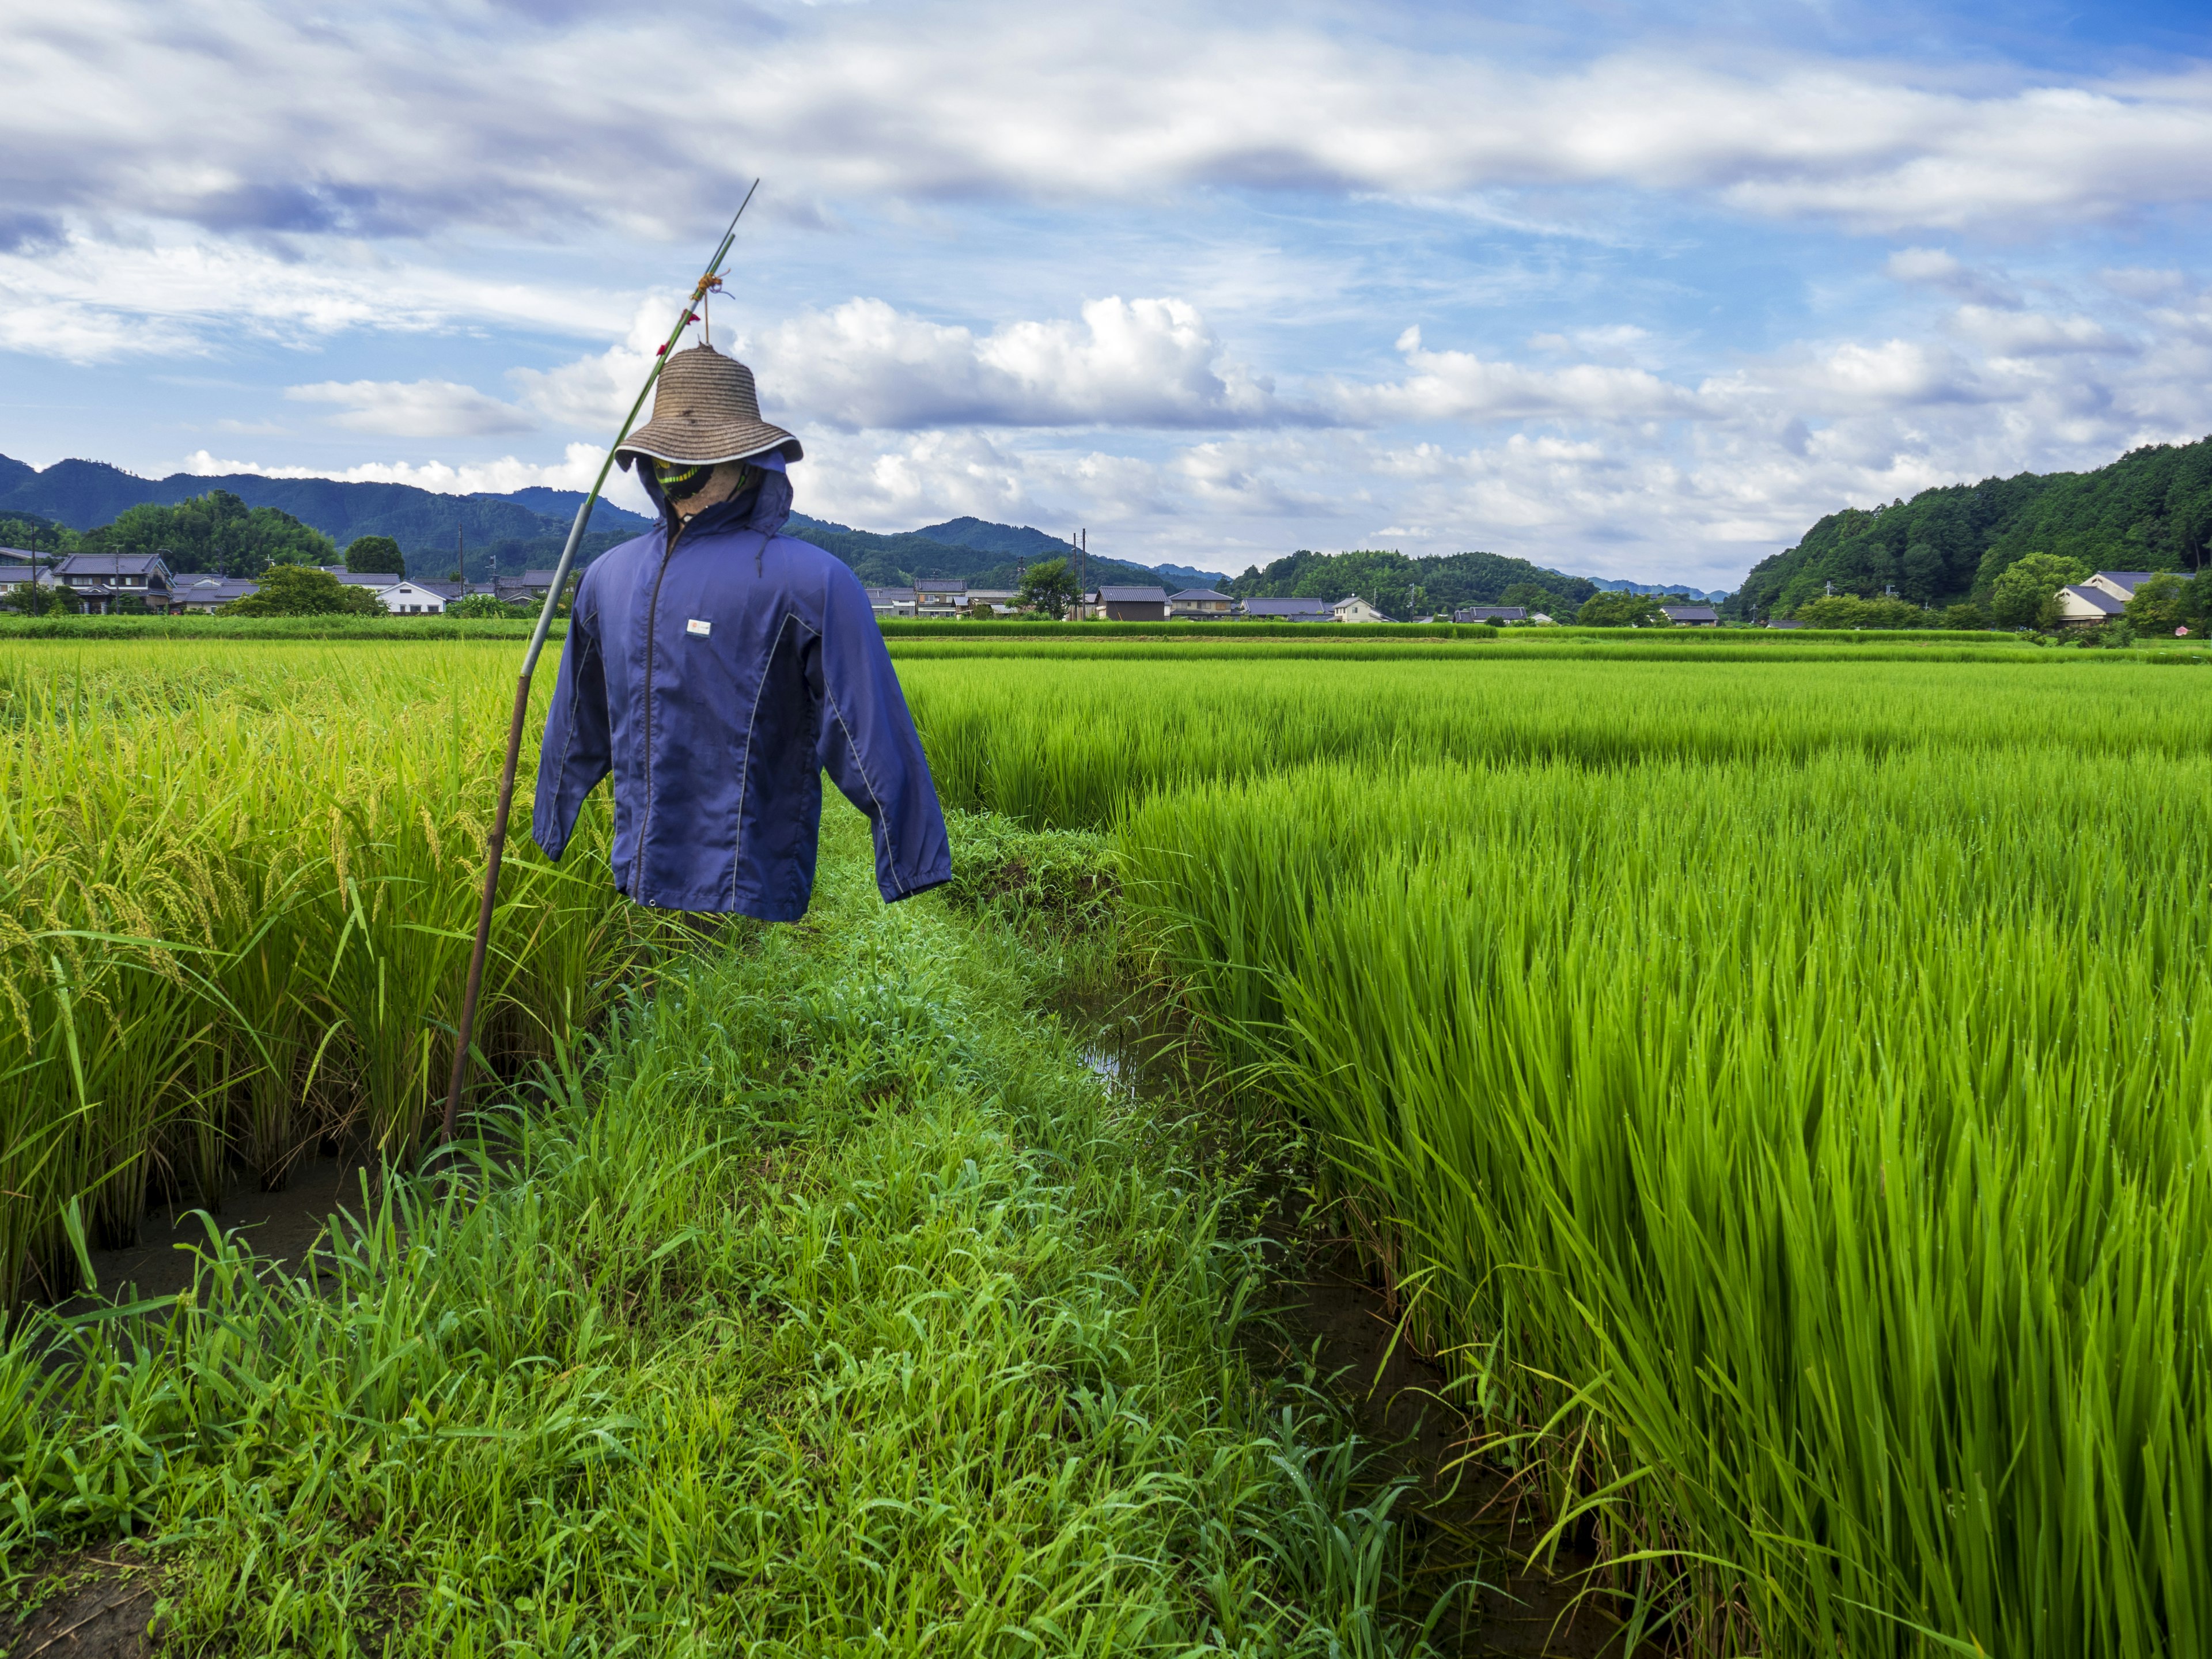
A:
<point x="1773" y="1081"/>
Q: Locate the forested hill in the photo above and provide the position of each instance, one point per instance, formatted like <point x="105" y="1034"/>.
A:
<point x="527" y="526"/>
<point x="985" y="554"/>
<point x="2150" y="510"/>
<point x="1406" y="587"/>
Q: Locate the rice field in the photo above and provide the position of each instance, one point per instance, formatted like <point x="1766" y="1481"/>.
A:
<point x="1779" y="1088"/>
<point x="237" y="886"/>
<point x="1780" y="1093"/>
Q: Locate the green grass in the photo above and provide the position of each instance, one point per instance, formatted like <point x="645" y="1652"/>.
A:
<point x="833" y="1306"/>
<point x="380" y="629"/>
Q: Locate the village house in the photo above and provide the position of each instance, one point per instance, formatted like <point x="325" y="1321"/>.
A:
<point x="1133" y="603"/>
<point x="939" y="596"/>
<point x="996" y="598"/>
<point x="1289" y="610"/>
<point x="1690" y="616"/>
<point x="1198" y="603"/>
<point x="99" y="580"/>
<point x="2099" y="598"/>
<point x="892" y="601"/>
<point x="197" y="593"/>
<point x="1356" y="610"/>
<point x="1492" y="613"/>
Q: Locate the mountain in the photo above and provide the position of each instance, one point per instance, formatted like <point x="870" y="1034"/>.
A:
<point x="990" y="557"/>
<point x="2150" y="510"/>
<point x="523" y="527"/>
<point x="1660" y="589"/>
<point x="1409" y="587"/>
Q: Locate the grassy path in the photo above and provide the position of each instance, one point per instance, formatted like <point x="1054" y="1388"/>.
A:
<point x="834" y="1307"/>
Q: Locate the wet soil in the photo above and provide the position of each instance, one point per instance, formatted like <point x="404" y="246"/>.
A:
<point x="97" y="1604"/>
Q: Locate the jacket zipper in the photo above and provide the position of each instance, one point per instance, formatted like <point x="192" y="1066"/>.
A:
<point x="652" y="632"/>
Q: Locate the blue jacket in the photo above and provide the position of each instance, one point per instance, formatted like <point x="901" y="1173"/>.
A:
<point x="717" y="678"/>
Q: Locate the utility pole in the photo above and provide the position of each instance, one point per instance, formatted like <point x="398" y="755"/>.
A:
<point x="1083" y="568"/>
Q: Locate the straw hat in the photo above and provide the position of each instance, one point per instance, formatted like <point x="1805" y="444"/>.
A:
<point x="705" y="410"/>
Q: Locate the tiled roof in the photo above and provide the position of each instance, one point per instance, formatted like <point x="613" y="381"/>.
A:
<point x="1287" y="608"/>
<point x="1133" y="596"/>
<point x="109" y="564"/>
<point x="1193" y="595"/>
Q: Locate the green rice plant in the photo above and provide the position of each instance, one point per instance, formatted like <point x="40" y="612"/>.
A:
<point x="1072" y="743"/>
<point x="237" y="890"/>
<point x="1801" y="1167"/>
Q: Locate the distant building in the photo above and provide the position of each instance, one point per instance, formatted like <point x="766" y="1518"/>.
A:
<point x="1133" y="603"/>
<point x="204" y="593"/>
<point x="939" y="596"/>
<point x="998" y="598"/>
<point x="414" y="599"/>
<point x="1690" y="616"/>
<point x="892" y="601"/>
<point x="1289" y="610"/>
<point x="1492" y="613"/>
<point x="1356" y="610"/>
<point x="1200" y="602"/>
<point x="1777" y="622"/>
<point x="97" y="581"/>
<point x="2101" y="596"/>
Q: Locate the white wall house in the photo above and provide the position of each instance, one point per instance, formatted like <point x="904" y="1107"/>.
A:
<point x="411" y="599"/>
<point x="2099" y="598"/>
<point x="1356" y="610"/>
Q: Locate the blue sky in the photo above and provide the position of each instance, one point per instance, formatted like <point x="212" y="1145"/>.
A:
<point x="1630" y="291"/>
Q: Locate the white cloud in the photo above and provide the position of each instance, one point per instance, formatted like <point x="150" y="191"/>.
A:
<point x="1458" y="385"/>
<point x="1939" y="268"/>
<point x="576" y="468"/>
<point x="414" y="409"/>
<point x="1146" y="362"/>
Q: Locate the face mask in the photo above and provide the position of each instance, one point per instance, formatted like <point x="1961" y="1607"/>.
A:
<point x="680" y="480"/>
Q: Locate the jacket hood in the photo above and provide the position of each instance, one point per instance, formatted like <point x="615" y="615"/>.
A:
<point x="765" y="508"/>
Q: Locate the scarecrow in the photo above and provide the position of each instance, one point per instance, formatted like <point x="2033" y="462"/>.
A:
<point x="718" y="667"/>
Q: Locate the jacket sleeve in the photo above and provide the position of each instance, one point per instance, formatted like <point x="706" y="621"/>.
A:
<point x="577" y="751"/>
<point x="869" y="746"/>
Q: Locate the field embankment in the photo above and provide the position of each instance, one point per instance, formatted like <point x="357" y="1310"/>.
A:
<point x="831" y="1304"/>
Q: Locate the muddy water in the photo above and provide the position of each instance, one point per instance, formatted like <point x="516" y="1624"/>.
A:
<point x="282" y="1226"/>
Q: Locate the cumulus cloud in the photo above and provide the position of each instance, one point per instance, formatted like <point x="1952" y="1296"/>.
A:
<point x="1146" y="362"/>
<point x="414" y="409"/>
<point x="579" y="465"/>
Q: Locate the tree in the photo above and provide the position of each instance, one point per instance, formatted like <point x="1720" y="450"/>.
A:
<point x="1535" y="597"/>
<point x="2027" y="594"/>
<point x="32" y="600"/>
<point x="1050" y="588"/>
<point x="2159" y="606"/>
<point x="1847" y="610"/>
<point x="1619" y="611"/>
<point x="1964" y="616"/>
<point x="374" y="555"/>
<point x="216" y="531"/>
<point x="294" y="590"/>
<point x="33" y="534"/>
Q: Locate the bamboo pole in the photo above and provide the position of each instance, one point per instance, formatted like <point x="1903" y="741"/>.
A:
<point x="496" y="844"/>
